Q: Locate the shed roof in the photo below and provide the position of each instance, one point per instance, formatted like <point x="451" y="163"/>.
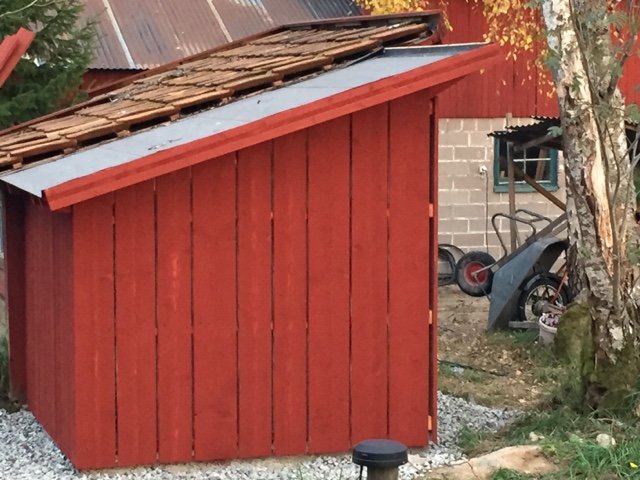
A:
<point x="144" y="34"/>
<point x="12" y="49"/>
<point x="211" y="79"/>
<point x="278" y="104"/>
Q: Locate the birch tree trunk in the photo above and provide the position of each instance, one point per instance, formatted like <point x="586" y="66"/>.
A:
<point x="600" y="190"/>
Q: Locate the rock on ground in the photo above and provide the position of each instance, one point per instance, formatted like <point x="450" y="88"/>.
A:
<point x="526" y="459"/>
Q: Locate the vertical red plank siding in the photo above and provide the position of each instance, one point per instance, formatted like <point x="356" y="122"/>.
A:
<point x="369" y="274"/>
<point x="46" y="321"/>
<point x="173" y="237"/>
<point x="328" y="231"/>
<point x="515" y="85"/>
<point x="36" y="284"/>
<point x="254" y="301"/>
<point x="135" y="324"/>
<point x="290" y="294"/>
<point x="94" y="334"/>
<point x="63" y="331"/>
<point x="433" y="269"/>
<point x="15" y="255"/>
<point x="631" y="78"/>
<point x="215" y="301"/>
<point x="408" y="268"/>
<point x="41" y="299"/>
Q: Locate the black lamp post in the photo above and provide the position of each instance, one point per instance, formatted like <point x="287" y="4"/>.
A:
<point x="381" y="457"/>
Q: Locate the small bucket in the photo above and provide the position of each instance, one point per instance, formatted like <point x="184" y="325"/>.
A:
<point x="546" y="334"/>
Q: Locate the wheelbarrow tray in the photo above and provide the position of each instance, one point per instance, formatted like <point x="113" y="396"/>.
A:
<point x="533" y="257"/>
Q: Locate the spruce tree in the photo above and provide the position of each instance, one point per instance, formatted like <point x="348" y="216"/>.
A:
<point x="49" y="76"/>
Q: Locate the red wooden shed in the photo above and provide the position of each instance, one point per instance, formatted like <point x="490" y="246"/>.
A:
<point x="235" y="256"/>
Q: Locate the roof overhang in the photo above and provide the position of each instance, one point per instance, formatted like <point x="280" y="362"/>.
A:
<point x="12" y="49"/>
<point x="392" y="74"/>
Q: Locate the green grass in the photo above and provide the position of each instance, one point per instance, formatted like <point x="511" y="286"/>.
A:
<point x="570" y="441"/>
<point x="569" y="438"/>
<point x="506" y="474"/>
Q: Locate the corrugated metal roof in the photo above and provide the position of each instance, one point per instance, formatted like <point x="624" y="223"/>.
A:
<point x="144" y="34"/>
<point x="330" y="8"/>
<point x="386" y="64"/>
<point x="12" y="49"/>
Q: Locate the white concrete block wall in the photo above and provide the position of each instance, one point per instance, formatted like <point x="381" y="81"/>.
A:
<point x="467" y="200"/>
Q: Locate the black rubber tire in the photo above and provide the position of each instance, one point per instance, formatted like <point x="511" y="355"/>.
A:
<point x="448" y="276"/>
<point x="469" y="263"/>
<point x="544" y="286"/>
<point x="457" y="252"/>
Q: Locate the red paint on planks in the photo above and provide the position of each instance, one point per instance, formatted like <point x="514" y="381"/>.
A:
<point x="409" y="240"/>
<point x="433" y="270"/>
<point x="15" y="278"/>
<point x="173" y="237"/>
<point x="328" y="244"/>
<point x="34" y="253"/>
<point x="254" y="301"/>
<point x="41" y="300"/>
<point x="94" y="332"/>
<point x="63" y="332"/>
<point x="45" y="299"/>
<point x="215" y="320"/>
<point x="290" y="295"/>
<point x="369" y="274"/>
<point x="135" y="324"/>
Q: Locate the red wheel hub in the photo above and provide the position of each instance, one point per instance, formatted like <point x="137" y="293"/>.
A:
<point x="474" y="278"/>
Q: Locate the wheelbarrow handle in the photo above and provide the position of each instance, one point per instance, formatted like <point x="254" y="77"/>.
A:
<point x="515" y="218"/>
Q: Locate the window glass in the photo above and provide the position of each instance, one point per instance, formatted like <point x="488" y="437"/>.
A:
<point x="539" y="163"/>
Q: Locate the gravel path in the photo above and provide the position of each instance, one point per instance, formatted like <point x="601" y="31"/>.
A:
<point x="27" y="452"/>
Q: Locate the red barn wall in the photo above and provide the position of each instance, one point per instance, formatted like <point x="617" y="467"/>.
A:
<point x="271" y="301"/>
<point x="512" y="86"/>
<point x="48" y="330"/>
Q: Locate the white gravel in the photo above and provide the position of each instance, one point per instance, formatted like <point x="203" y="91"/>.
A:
<point x="27" y="452"/>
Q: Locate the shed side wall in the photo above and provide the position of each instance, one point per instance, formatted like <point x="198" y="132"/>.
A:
<point x="289" y="310"/>
<point x="49" y="321"/>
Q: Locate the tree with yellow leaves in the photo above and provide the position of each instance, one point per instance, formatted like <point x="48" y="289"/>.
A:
<point x="587" y="43"/>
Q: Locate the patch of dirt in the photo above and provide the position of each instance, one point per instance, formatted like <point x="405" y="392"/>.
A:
<point x="503" y="369"/>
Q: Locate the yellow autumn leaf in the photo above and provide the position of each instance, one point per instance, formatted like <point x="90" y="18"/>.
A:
<point x="633" y="465"/>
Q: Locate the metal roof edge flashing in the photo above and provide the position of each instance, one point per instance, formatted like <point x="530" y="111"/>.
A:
<point x="417" y="49"/>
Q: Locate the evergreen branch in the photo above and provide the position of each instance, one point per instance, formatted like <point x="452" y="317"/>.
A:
<point x="26" y="7"/>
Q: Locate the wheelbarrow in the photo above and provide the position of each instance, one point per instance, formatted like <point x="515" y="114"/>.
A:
<point x="519" y="280"/>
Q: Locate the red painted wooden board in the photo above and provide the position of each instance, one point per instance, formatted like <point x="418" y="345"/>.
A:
<point x="369" y="274"/>
<point x="328" y="241"/>
<point x="409" y="269"/>
<point x="62" y="248"/>
<point x="433" y="270"/>
<point x="15" y="254"/>
<point x="214" y="303"/>
<point x="173" y="297"/>
<point x="94" y="333"/>
<point x="35" y="283"/>
<point x="135" y="324"/>
<point x="290" y="294"/>
<point x="44" y="298"/>
<point x="255" y="301"/>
